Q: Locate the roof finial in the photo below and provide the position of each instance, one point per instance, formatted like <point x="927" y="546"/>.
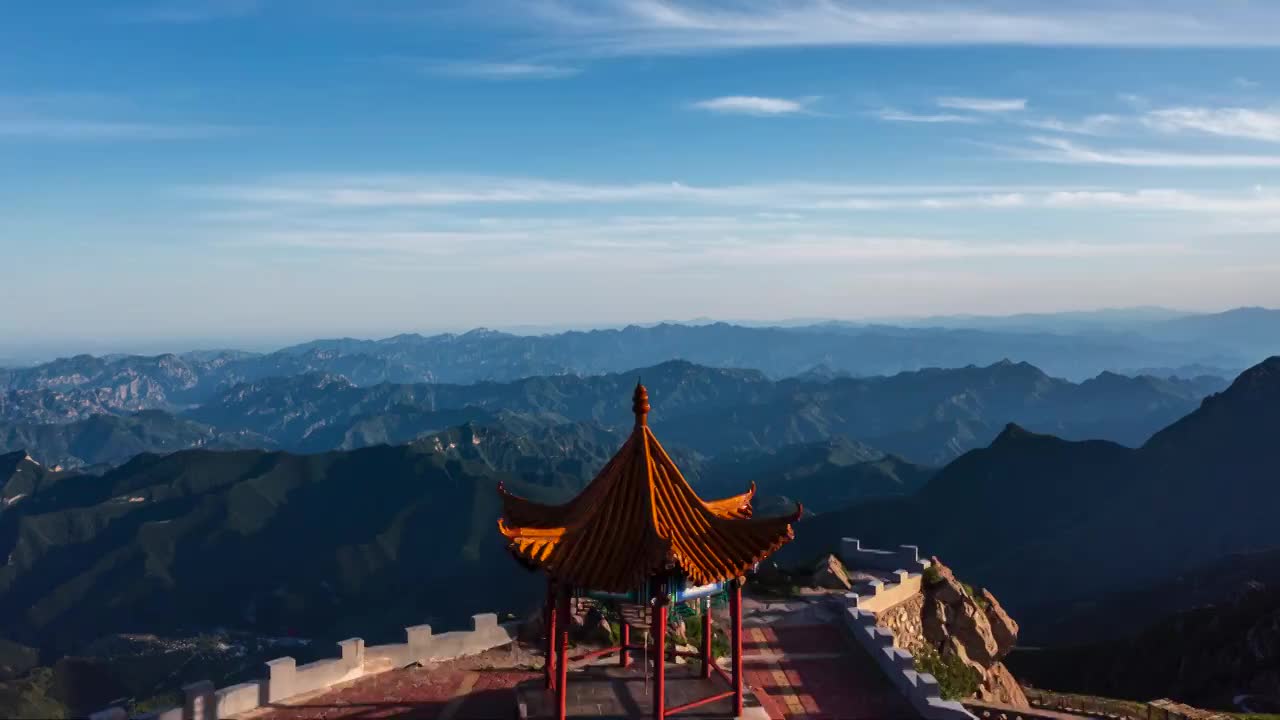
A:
<point x="640" y="404"/>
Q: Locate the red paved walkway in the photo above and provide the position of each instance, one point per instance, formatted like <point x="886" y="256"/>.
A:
<point x="812" y="672"/>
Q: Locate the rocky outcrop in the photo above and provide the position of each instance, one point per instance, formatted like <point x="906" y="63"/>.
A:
<point x="971" y="626"/>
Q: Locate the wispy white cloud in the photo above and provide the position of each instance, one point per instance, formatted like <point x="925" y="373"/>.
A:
<point x="71" y="117"/>
<point x="1233" y="122"/>
<point x="681" y="26"/>
<point x="712" y="243"/>
<point x="983" y="105"/>
<point x="771" y="204"/>
<point x="754" y="105"/>
<point x="502" y="70"/>
<point x="1257" y="201"/>
<point x="1061" y="151"/>
<point x="432" y="191"/>
<point x="895" y="115"/>
<point x="1088" y="125"/>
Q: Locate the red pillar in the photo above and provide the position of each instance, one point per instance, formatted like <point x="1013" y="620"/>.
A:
<point x="735" y="621"/>
<point x="660" y="657"/>
<point x="624" y="635"/>
<point x="562" y="654"/>
<point x="706" y="640"/>
<point x="549" y="612"/>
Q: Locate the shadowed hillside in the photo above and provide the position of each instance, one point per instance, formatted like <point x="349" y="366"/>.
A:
<point x="1040" y="519"/>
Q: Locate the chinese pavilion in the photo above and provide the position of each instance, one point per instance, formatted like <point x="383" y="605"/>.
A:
<point x="640" y="535"/>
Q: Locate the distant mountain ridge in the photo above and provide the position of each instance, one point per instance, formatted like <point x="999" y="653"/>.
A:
<point x="925" y="417"/>
<point x="128" y="383"/>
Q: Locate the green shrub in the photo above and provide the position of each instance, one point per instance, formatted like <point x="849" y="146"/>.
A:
<point x="955" y="679"/>
<point x="931" y="575"/>
<point x="974" y="595"/>
<point x="719" y="643"/>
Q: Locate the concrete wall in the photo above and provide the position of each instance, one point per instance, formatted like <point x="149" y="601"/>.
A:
<point x="286" y="680"/>
<point x="876" y="597"/>
<point x="906" y="557"/>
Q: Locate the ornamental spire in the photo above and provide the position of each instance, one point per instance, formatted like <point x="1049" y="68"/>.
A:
<point x="640" y="404"/>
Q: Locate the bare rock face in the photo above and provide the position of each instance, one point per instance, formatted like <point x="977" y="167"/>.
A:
<point x="830" y="573"/>
<point x="999" y="686"/>
<point x="1003" y="628"/>
<point x="595" y="629"/>
<point x="972" y="627"/>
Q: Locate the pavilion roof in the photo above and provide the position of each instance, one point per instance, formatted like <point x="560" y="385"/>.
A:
<point x="638" y="518"/>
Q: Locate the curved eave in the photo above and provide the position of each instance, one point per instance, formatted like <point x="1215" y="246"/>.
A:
<point x="637" y="518"/>
<point x="737" y="506"/>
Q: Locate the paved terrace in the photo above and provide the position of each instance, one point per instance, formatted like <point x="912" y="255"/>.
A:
<point x="797" y="659"/>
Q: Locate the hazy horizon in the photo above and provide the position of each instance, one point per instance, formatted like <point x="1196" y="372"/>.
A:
<point x="44" y="349"/>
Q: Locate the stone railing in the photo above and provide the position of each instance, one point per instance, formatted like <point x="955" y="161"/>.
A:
<point x="919" y="688"/>
<point x="906" y="557"/>
<point x="287" y="680"/>
<point x="875" y="596"/>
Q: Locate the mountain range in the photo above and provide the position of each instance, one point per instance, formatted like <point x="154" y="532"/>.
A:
<point x="306" y="493"/>
<point x="1047" y="523"/>
<point x="367" y="540"/>
<point x="1074" y="350"/>
<point x="927" y="417"/>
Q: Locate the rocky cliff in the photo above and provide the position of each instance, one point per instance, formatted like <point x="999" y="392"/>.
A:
<point x="961" y="634"/>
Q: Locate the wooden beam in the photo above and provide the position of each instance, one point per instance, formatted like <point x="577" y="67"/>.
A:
<point x="562" y="654"/>
<point x="700" y="703"/>
<point x="707" y="660"/>
<point x="735" y="621"/>
<point x="549" y="612"/>
<point x="624" y="637"/>
<point x="659" y="625"/>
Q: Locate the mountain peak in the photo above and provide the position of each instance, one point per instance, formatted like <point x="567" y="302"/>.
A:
<point x="1013" y="433"/>
<point x="1261" y="380"/>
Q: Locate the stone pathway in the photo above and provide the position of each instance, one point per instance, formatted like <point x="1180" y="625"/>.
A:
<point x="474" y="688"/>
<point x="799" y="662"/>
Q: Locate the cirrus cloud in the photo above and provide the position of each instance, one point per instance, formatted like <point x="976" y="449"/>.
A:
<point x="753" y="105"/>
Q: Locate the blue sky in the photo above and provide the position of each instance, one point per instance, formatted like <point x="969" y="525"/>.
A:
<point x="263" y="170"/>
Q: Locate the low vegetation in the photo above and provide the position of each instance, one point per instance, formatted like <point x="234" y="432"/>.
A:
<point x="955" y="679"/>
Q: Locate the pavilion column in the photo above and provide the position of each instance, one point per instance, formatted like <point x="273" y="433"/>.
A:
<point x="562" y="652"/>
<point x="659" y="623"/>
<point x="624" y="639"/>
<point x="735" y="622"/>
<point x="706" y="640"/>
<point x="549" y="612"/>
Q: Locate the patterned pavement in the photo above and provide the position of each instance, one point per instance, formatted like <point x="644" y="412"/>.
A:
<point x="811" y="672"/>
